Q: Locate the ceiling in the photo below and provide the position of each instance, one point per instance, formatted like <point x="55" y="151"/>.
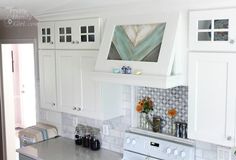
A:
<point x="41" y="7"/>
<point x="37" y="7"/>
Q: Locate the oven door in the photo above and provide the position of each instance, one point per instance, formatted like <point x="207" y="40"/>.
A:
<point x="135" y="156"/>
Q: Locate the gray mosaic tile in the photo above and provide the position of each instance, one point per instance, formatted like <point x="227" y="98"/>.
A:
<point x="165" y="99"/>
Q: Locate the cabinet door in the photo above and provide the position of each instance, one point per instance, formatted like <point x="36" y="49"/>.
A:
<point x="212" y="30"/>
<point x="47" y="79"/>
<point x="89" y="86"/>
<point x="46" y="35"/>
<point x="89" y="33"/>
<point x="66" y="33"/>
<point x="68" y="81"/>
<point x="212" y="97"/>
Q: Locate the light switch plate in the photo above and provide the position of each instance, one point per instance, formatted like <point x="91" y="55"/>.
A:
<point x="105" y="129"/>
<point x="75" y="121"/>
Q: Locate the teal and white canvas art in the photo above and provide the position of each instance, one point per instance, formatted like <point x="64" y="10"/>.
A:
<point x="137" y="42"/>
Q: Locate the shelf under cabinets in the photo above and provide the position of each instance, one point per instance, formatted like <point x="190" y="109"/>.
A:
<point x="140" y="80"/>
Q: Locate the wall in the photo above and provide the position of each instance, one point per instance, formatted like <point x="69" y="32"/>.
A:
<point x="27" y="30"/>
<point x="15" y="34"/>
<point x="117" y="126"/>
<point x="164" y="100"/>
<point x="21" y="31"/>
<point x="137" y="8"/>
<point x="204" y="151"/>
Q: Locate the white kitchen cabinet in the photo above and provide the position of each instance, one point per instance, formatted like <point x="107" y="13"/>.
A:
<point x="67" y="85"/>
<point x="78" y="93"/>
<point x="212" y="30"/>
<point x="78" y="34"/>
<point x="212" y="98"/>
<point x="68" y="81"/>
<point x="46" y="35"/>
<point x="89" y="87"/>
<point x="65" y="33"/>
<point x="47" y="69"/>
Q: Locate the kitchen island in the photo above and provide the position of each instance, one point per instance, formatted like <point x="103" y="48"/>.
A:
<point x="64" y="149"/>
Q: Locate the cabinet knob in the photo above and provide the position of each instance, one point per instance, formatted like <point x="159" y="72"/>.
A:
<point x="231" y="41"/>
<point x="51" y="42"/>
<point x="74" y="108"/>
<point x="77" y="42"/>
<point x="229" y="138"/>
<point x="73" y="42"/>
<point x="79" y="109"/>
<point x="53" y="104"/>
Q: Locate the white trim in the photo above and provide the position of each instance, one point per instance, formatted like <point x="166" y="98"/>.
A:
<point x="129" y="9"/>
<point x="140" y="80"/>
<point x="2" y="113"/>
<point x="34" y="41"/>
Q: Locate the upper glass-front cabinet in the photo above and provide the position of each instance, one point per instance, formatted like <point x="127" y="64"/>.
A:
<point x="46" y="35"/>
<point x="89" y="33"/>
<point x="212" y="30"/>
<point x="65" y="34"/>
<point x="78" y="34"/>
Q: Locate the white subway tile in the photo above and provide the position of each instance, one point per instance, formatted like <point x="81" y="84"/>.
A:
<point x="199" y="153"/>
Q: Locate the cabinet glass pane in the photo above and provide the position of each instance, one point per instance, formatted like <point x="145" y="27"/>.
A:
<point x="43" y="31"/>
<point x="91" y="38"/>
<point x="48" y="39"/>
<point x="221" y="36"/>
<point x="61" y="31"/>
<point x="204" y="36"/>
<point x="68" y="30"/>
<point x="48" y="31"/>
<point x="90" y="29"/>
<point x="83" y="29"/>
<point x="62" y="38"/>
<point x="84" y="38"/>
<point x="43" y="39"/>
<point x="68" y="38"/>
<point x="204" y="24"/>
<point x="221" y="24"/>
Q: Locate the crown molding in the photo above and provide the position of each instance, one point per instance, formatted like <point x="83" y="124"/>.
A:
<point x="77" y="13"/>
<point x="147" y="7"/>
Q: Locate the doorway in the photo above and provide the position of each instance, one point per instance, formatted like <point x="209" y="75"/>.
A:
<point x="18" y="62"/>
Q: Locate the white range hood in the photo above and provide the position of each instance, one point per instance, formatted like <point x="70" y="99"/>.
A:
<point x="151" y="44"/>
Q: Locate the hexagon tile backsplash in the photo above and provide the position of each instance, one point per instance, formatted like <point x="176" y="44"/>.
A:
<point x="165" y="99"/>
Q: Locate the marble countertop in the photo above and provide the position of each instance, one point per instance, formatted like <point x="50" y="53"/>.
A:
<point x="65" y="149"/>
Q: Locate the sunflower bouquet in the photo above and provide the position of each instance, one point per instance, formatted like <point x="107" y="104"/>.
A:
<point x="144" y="105"/>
